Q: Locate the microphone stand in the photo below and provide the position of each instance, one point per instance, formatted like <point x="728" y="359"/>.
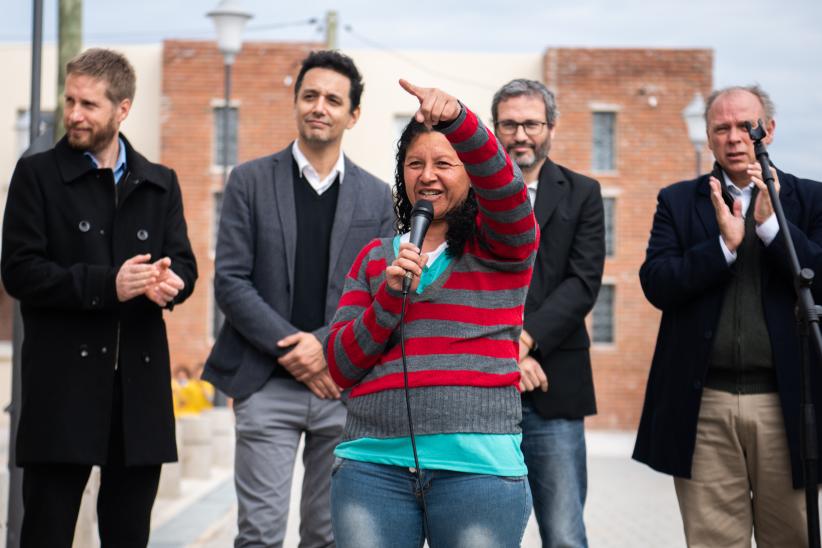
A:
<point x="807" y="315"/>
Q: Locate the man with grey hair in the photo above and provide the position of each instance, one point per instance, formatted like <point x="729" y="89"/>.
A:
<point x="721" y="409"/>
<point x="555" y="365"/>
<point x="95" y="248"/>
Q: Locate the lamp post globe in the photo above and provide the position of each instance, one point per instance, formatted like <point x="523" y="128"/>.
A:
<point x="229" y="20"/>
<point x="694" y="116"/>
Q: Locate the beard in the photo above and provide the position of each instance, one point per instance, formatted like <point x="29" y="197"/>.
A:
<point x="92" y="140"/>
<point x="527" y="161"/>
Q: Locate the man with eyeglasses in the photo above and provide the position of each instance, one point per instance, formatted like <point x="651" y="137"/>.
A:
<point x="557" y="385"/>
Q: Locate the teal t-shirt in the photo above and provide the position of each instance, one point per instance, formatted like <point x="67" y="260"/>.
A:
<point x="492" y="454"/>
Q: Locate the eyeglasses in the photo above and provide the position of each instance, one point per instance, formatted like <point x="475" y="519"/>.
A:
<point x="531" y="127"/>
<point x="440" y="166"/>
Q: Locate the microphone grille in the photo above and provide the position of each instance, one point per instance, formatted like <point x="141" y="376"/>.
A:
<point x="423" y="207"/>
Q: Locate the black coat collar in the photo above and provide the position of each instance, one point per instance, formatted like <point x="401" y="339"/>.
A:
<point x="73" y="164"/>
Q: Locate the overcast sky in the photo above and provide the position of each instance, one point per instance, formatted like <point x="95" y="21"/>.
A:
<point x="775" y="44"/>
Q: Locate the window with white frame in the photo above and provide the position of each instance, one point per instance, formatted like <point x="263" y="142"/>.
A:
<point x="23" y="123"/>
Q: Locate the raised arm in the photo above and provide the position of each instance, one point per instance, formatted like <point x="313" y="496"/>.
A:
<point x="507" y="224"/>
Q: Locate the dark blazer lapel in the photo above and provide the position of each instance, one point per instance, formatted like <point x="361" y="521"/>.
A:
<point x="551" y="190"/>
<point x="704" y="207"/>
<point x="349" y="192"/>
<point x="284" y="194"/>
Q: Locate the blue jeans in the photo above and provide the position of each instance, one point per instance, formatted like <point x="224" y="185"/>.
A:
<point x="378" y="505"/>
<point x="554" y="451"/>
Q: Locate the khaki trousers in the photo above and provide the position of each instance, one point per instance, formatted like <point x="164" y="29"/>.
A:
<point x="741" y="477"/>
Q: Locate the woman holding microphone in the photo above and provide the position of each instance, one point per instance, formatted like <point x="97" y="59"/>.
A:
<point x="459" y="479"/>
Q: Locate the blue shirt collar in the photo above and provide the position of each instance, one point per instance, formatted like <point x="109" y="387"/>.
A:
<point x="119" y="167"/>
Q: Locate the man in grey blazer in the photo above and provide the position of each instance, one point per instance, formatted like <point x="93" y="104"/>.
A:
<point x="292" y="223"/>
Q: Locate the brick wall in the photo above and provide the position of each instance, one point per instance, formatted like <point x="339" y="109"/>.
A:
<point x="262" y="82"/>
<point x="648" y="89"/>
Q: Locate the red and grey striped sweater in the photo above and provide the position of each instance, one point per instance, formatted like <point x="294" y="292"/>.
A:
<point x="461" y="333"/>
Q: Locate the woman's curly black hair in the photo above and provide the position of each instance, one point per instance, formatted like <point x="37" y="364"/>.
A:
<point x="462" y="226"/>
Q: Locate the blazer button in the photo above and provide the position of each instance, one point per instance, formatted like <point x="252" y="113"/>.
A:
<point x="142" y="234"/>
<point x="146" y="358"/>
<point x="95" y="301"/>
<point x="102" y="232"/>
<point x="84" y="351"/>
<point x="104" y="350"/>
<point x="84" y="226"/>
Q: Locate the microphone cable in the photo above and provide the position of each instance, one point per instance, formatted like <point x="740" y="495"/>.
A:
<point x="418" y="474"/>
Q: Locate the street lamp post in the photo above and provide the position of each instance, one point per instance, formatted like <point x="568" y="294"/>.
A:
<point x="229" y="20"/>
<point x="694" y="115"/>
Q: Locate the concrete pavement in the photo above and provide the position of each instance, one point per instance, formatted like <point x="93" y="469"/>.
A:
<point x="629" y="505"/>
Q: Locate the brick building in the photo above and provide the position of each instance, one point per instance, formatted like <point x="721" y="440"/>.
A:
<point x="621" y="122"/>
<point x="191" y="118"/>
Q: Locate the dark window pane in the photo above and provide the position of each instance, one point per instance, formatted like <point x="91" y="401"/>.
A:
<point x="215" y="218"/>
<point x="602" y="320"/>
<point x="603" y="156"/>
<point x="610" y="242"/>
<point x="219" y="125"/>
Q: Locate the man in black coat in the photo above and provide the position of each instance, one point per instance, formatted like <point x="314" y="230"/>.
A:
<point x="94" y="248"/>
<point x="721" y="409"/>
<point x="557" y="384"/>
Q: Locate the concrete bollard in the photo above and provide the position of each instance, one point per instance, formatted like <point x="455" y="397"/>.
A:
<point x="196" y="454"/>
<point x="85" y="532"/>
<point x="222" y="436"/>
<point x="171" y="473"/>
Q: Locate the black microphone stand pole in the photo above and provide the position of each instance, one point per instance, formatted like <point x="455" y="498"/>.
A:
<point x="807" y="316"/>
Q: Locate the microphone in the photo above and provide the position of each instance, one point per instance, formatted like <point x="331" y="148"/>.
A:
<point x="421" y="217"/>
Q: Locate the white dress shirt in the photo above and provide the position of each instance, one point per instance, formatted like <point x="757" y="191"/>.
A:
<point x="311" y="175"/>
<point x="532" y="191"/>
